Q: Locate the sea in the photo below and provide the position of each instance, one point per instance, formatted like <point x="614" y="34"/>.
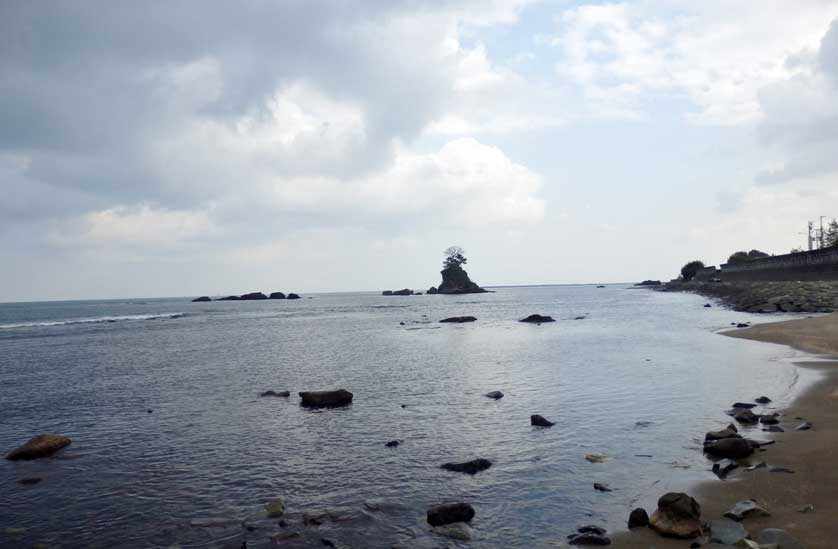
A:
<point x="174" y="447"/>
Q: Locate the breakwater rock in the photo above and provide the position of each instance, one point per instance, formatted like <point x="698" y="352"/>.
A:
<point x="455" y="280"/>
<point x="766" y="297"/>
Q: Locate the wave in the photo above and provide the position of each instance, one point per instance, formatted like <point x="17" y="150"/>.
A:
<point x="96" y="320"/>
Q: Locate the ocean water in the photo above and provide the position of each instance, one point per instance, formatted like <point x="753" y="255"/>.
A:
<point x="198" y="468"/>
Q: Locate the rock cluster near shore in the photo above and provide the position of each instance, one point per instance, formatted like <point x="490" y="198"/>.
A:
<point x="252" y="296"/>
<point x="765" y="297"/>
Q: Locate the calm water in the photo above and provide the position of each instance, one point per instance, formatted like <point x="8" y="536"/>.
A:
<point x="213" y="452"/>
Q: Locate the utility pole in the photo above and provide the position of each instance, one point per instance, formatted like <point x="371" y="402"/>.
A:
<point x="811" y="238"/>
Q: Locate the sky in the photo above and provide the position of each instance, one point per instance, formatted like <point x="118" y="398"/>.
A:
<point x="185" y="147"/>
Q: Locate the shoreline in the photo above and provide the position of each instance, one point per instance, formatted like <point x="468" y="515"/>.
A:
<point x="809" y="454"/>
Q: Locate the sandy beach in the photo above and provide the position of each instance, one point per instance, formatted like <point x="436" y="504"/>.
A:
<point x="810" y="454"/>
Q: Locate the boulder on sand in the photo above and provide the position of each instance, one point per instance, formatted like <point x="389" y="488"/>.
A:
<point x="540" y="421"/>
<point x="459" y="319"/>
<point x="537" y="319"/>
<point x="638" y="518"/>
<point x="678" y="515"/>
<point x="324" y="399"/>
<point x="201" y="299"/>
<point x="447" y="513"/>
<point x="277" y="295"/>
<point x="39" y="446"/>
<point x="730" y="448"/>
<point x="469" y="467"/>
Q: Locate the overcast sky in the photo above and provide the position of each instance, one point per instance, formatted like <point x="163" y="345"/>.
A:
<point x="188" y="147"/>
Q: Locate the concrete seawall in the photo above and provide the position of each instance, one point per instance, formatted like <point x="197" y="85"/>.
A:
<point x="804" y="266"/>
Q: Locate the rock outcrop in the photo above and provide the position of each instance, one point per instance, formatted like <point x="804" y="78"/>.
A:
<point x="326" y="399"/>
<point x="253" y="296"/>
<point x="292" y="295"/>
<point x="540" y="421"/>
<point x="201" y="299"/>
<point x="469" y="467"/>
<point x="537" y="319"/>
<point x="39" y="446"/>
<point x="459" y="319"/>
<point x="730" y="448"/>
<point x="229" y="298"/>
<point x="277" y="295"/>
<point x="638" y="518"/>
<point x="455" y="280"/>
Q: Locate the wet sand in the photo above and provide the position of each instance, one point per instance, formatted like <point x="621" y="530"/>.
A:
<point x="812" y="454"/>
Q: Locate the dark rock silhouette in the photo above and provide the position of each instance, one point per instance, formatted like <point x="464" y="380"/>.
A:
<point x="324" y="399"/>
<point x="459" y="319"/>
<point x="730" y="448"/>
<point x="201" y="299"/>
<point x="494" y="394"/>
<point x="39" y="446"/>
<point x="447" y="513"/>
<point x="292" y="295"/>
<point x="469" y="467"/>
<point x="253" y="296"/>
<point x="387" y="292"/>
<point x="229" y="298"/>
<point x="276" y="394"/>
<point x="455" y="280"/>
<point x="638" y="518"/>
<point x="277" y="295"/>
<point x="405" y="291"/>
<point x="432" y="291"/>
<point x="540" y="421"/>
<point x="537" y="319"/>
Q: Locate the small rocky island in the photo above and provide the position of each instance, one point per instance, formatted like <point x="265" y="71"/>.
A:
<point x="455" y="279"/>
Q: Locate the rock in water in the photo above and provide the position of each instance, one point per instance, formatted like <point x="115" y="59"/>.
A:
<point x="39" y="446"/>
<point x="748" y="508"/>
<point x="432" y="291"/>
<point x="743" y="415"/>
<point x="459" y="319"/>
<point x="540" y="421"/>
<point x="324" y="399"/>
<point x="727" y="532"/>
<point x="276" y="295"/>
<point x="495" y="395"/>
<point x="447" y="513"/>
<point x="678" y="515"/>
<point x="253" y="296"/>
<point x="730" y="448"/>
<point x="596" y="458"/>
<point x="762" y="400"/>
<point x="276" y="394"/>
<point x="747" y="405"/>
<point x="638" y="518"/>
<point x="393" y="443"/>
<point x="728" y="432"/>
<point x="724" y="468"/>
<point x="769" y="419"/>
<point x="591" y="539"/>
<point x="405" y="291"/>
<point x="229" y="298"/>
<point x="457" y="530"/>
<point x="469" y="467"/>
<point x="275" y="508"/>
<point x="292" y="295"/>
<point x="598" y="486"/>
<point x="387" y="293"/>
<point x="455" y="280"/>
<point x="537" y="319"/>
<point x="201" y="299"/>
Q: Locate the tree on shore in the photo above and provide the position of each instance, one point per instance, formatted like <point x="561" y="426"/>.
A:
<point x="830" y="235"/>
<point x="740" y="257"/>
<point x="455" y="256"/>
<point x="689" y="270"/>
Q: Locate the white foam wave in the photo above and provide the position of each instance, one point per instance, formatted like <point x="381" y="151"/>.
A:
<point x="96" y="320"/>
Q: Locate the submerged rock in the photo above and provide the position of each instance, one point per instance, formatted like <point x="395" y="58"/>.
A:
<point x="770" y="419"/>
<point x="456" y="530"/>
<point x="324" y="399"/>
<point x="469" y="467"/>
<point x="774" y="429"/>
<point x="30" y="481"/>
<point x="275" y="394"/>
<point x="459" y="319"/>
<point x="495" y="395"/>
<point x="540" y="421"/>
<point x="596" y="458"/>
<point x="447" y="513"/>
<point x="748" y="508"/>
<point x="638" y="518"/>
<point x="724" y="468"/>
<point x="597" y="540"/>
<point x="678" y="515"/>
<point x="537" y="319"/>
<point x="600" y="487"/>
<point x="747" y="405"/>
<point x="744" y="415"/>
<point x="201" y="299"/>
<point x="731" y="448"/>
<point x="39" y="446"/>
<point x="393" y="443"/>
<point x="275" y="508"/>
